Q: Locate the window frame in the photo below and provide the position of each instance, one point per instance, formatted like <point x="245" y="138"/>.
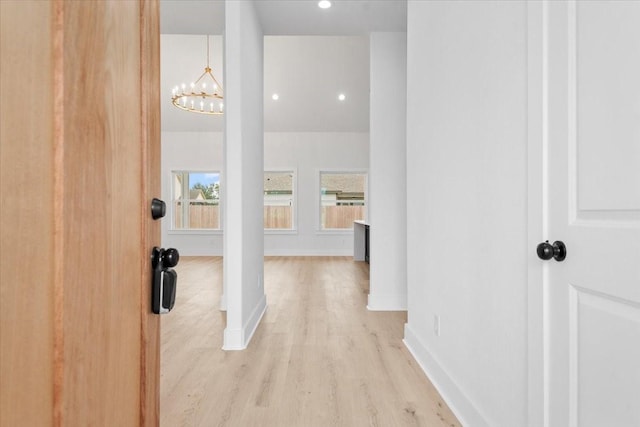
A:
<point x="355" y="171"/>
<point x="172" y="211"/>
<point x="294" y="198"/>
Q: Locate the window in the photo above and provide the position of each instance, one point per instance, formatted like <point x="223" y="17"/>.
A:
<point x="342" y="199"/>
<point x="278" y="200"/>
<point x="196" y="200"/>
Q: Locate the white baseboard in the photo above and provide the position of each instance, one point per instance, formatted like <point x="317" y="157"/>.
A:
<point x="190" y="251"/>
<point x="254" y="320"/>
<point x="239" y="338"/>
<point x="308" y="252"/>
<point x="387" y="302"/>
<point x="461" y="406"/>
<point x="233" y="339"/>
<point x="273" y="252"/>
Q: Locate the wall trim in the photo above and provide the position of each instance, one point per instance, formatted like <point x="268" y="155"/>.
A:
<point x="232" y="339"/>
<point x="308" y="252"/>
<point x="387" y="302"/>
<point x="537" y="142"/>
<point x="185" y="250"/>
<point x="461" y="406"/>
<point x="239" y="338"/>
<point x="191" y="251"/>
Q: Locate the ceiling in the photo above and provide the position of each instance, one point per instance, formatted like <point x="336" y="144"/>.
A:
<point x="311" y="55"/>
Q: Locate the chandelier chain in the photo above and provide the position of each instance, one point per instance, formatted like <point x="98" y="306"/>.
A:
<point x="208" y="66"/>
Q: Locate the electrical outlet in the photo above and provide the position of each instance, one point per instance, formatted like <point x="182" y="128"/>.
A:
<point x="436" y="325"/>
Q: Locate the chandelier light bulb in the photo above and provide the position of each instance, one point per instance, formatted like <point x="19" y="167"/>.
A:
<point x="211" y="106"/>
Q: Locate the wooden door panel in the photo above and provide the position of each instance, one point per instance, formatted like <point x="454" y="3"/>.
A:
<point x="150" y="188"/>
<point x="80" y="164"/>
<point x="27" y="218"/>
<point x="102" y="227"/>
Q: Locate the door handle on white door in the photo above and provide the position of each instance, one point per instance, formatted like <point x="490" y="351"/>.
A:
<point x="557" y="251"/>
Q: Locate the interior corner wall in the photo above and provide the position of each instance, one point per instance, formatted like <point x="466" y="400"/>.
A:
<point x="244" y="160"/>
<point x="387" y="172"/>
<point x="467" y="205"/>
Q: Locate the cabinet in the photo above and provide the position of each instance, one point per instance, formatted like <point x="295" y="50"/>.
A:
<point x="360" y="241"/>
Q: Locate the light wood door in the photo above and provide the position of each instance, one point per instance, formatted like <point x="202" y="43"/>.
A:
<point x="79" y="166"/>
<point x="592" y="301"/>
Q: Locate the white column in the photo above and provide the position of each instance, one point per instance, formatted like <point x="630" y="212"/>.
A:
<point x="387" y="172"/>
<point x="244" y="154"/>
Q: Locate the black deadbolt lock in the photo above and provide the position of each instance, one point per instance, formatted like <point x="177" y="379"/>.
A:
<point x="158" y="208"/>
<point x="164" y="280"/>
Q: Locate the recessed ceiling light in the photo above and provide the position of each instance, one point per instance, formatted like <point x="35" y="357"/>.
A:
<point x="342" y="97"/>
<point x="275" y="96"/>
<point x="324" y="4"/>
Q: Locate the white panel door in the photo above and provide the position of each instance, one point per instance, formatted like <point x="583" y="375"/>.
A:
<point x="592" y="299"/>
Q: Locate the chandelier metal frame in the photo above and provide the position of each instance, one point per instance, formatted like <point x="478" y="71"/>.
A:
<point x="201" y="95"/>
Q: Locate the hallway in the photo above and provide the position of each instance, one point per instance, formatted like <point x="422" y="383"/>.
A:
<point x="319" y="357"/>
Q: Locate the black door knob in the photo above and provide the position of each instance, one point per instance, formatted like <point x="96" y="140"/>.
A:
<point x="557" y="251"/>
<point x="170" y="257"/>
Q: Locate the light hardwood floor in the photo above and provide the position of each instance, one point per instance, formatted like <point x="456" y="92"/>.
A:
<point x="319" y="357"/>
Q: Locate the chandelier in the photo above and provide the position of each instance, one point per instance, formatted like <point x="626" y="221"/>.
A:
<point x="203" y="96"/>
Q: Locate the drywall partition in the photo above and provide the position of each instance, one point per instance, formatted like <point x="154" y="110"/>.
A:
<point x="467" y="205"/>
<point x="243" y="171"/>
<point x="387" y="172"/>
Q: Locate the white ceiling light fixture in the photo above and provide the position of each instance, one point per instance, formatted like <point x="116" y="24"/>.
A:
<point x="204" y="96"/>
<point x="324" y="4"/>
<point x="275" y="96"/>
<point x="342" y="97"/>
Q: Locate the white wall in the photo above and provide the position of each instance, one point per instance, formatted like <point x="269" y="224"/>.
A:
<point x="243" y="238"/>
<point x="467" y="212"/>
<point x="306" y="153"/>
<point x="387" y="172"/>
<point x="193" y="151"/>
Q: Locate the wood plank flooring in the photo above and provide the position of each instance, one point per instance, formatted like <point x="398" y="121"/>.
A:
<point x="319" y="357"/>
